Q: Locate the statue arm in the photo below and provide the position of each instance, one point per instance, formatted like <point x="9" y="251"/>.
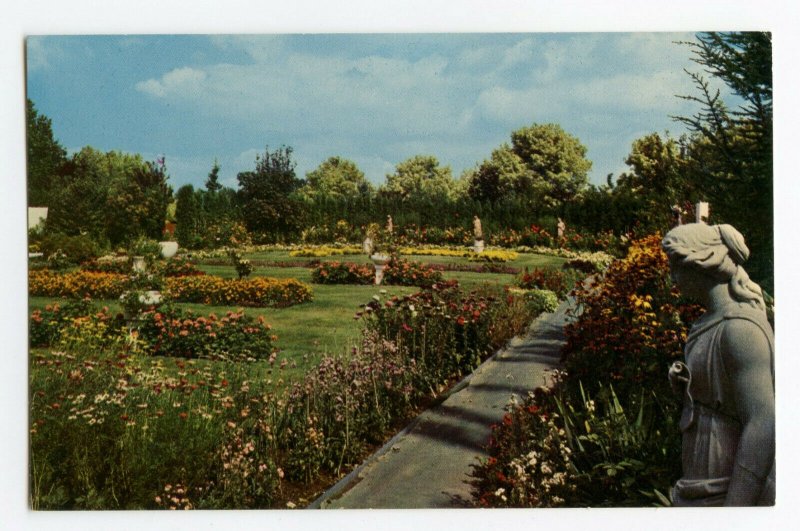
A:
<point x="748" y="362"/>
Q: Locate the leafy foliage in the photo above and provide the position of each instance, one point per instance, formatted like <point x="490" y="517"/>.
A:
<point x="631" y="324"/>
<point x="336" y="177"/>
<point x="419" y="178"/>
<point x="730" y="150"/>
<point x="269" y="207"/>
<point x="45" y="156"/>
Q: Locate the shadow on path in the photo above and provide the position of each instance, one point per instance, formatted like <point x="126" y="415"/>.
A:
<point x="428" y="464"/>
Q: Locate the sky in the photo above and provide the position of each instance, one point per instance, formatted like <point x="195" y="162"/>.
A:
<point x="376" y="99"/>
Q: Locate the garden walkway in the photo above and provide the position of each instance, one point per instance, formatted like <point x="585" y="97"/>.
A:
<point x="427" y="464"/>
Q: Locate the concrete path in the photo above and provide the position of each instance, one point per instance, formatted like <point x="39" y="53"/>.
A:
<point x="427" y="465"/>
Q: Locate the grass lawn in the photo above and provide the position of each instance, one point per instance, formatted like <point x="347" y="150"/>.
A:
<point x="326" y="325"/>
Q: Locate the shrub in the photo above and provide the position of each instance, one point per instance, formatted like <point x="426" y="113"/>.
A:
<point x="45" y="327"/>
<point x="551" y="451"/>
<point x="342" y="273"/>
<point x="445" y="331"/>
<point x="78" y="284"/>
<point x="344" y="406"/>
<point x="76" y="249"/>
<point x="170" y="331"/>
<point x="559" y="282"/>
<point x="401" y="272"/>
<point x="146" y="247"/>
<point x="631" y="325"/>
<point x="176" y="267"/>
<point x="259" y="291"/>
<point x="539" y="300"/>
<point x="119" y="266"/>
<point x="243" y="267"/>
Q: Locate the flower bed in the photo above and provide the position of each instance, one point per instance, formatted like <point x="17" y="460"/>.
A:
<point x="166" y="331"/>
<point x="177" y="267"/>
<point x="562" y="448"/>
<point x="493" y="256"/>
<point x="343" y="273"/>
<point x="233" y="337"/>
<point x="111" y="432"/>
<point x="436" y="251"/>
<point x="324" y="250"/>
<point x="448" y="332"/>
<point x="258" y="292"/>
<point x="559" y="282"/>
<point x="632" y="324"/>
<point x="398" y="272"/>
<point x="401" y="272"/>
<point x="76" y="284"/>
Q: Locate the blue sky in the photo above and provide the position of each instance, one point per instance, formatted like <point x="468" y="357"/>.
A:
<point x="376" y="99"/>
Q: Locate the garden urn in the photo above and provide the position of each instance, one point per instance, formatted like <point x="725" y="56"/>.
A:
<point x="168" y="249"/>
<point x="138" y="264"/>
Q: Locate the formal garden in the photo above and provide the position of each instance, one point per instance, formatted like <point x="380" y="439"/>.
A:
<point x="230" y="348"/>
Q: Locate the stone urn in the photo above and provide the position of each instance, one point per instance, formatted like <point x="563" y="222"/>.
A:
<point x="168" y="249"/>
<point x="139" y="264"/>
<point x="380" y="260"/>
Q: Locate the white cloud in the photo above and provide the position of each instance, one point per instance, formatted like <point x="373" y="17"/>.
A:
<point x="40" y="52"/>
<point x="176" y="82"/>
<point x="338" y="103"/>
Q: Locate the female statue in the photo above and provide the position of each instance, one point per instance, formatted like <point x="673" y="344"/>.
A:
<point x="477" y="228"/>
<point x="727" y="380"/>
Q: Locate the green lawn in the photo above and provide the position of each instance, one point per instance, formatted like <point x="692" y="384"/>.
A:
<point x="327" y="325"/>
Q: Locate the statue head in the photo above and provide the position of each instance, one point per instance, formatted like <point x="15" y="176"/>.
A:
<point x="714" y="251"/>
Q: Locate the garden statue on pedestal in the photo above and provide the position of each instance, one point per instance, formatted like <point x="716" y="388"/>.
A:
<point x="379" y="247"/>
<point x="389" y="224"/>
<point x="727" y="380"/>
<point x="560" y="228"/>
<point x="477" y="230"/>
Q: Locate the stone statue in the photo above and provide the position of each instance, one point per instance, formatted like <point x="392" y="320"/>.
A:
<point x="561" y="227"/>
<point x="389" y="224"/>
<point x="727" y="380"/>
<point x="477" y="229"/>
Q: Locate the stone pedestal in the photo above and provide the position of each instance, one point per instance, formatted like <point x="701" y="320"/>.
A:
<point x="380" y="261"/>
<point x="138" y="264"/>
<point x="379" y="274"/>
<point x="701" y="212"/>
<point x="478" y="246"/>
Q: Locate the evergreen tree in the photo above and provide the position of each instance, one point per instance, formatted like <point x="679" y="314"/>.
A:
<point x="45" y="157"/>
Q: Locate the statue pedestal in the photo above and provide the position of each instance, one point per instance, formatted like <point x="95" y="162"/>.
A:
<point x="478" y="246"/>
<point x="379" y="274"/>
<point x="380" y="261"/>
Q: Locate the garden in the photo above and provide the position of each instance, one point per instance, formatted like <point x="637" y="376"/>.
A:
<point x="220" y="348"/>
<point x="262" y="374"/>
